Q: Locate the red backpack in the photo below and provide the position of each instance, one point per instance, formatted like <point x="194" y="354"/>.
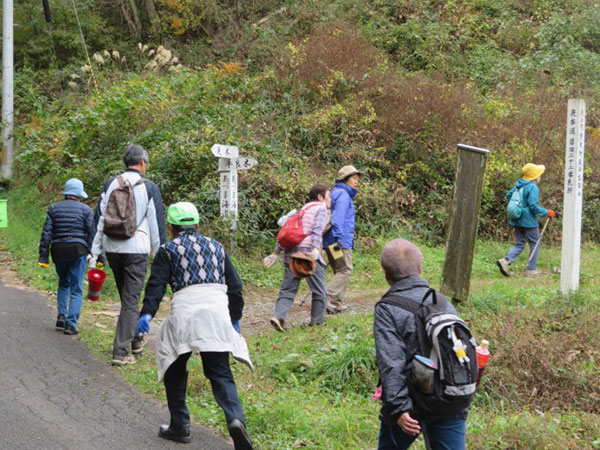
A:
<point x="292" y="232"/>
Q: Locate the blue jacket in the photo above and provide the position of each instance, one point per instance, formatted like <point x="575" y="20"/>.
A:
<point x="530" y="196"/>
<point x="342" y="216"/>
<point x="67" y="221"/>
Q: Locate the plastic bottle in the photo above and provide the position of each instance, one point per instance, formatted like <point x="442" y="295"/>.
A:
<point x="483" y="355"/>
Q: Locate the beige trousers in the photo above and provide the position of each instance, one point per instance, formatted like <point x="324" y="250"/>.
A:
<point x="336" y="288"/>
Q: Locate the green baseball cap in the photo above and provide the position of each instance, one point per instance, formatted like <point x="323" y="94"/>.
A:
<point x="182" y="213"/>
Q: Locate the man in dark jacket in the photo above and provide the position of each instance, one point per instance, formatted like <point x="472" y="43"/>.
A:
<point x="340" y="237"/>
<point x="396" y="344"/>
<point x="67" y="235"/>
<point x="128" y="258"/>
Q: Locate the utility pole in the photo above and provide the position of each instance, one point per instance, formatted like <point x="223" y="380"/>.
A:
<point x="7" y="89"/>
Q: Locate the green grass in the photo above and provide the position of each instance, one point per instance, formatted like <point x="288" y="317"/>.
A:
<point x="312" y="385"/>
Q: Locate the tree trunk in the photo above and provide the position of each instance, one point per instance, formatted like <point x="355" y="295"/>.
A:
<point x="129" y="20"/>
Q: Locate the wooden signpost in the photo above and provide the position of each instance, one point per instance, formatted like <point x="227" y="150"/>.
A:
<point x="229" y="164"/>
<point x="460" y="246"/>
<point x="573" y="196"/>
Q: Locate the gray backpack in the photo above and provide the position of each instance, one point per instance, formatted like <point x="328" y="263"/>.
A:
<point x="442" y="379"/>
<point x="120" y="217"/>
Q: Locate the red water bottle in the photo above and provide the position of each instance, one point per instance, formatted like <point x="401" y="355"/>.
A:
<point x="483" y="355"/>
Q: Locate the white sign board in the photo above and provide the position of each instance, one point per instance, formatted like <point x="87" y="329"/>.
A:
<point x="229" y="195"/>
<point x="229" y="164"/>
<point x="236" y="163"/>
<point x="224" y="151"/>
<point x="573" y="196"/>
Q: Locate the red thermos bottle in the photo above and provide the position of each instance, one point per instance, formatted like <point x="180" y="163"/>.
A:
<point x="483" y="355"/>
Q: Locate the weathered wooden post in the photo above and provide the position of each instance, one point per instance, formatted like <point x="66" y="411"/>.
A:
<point x="468" y="187"/>
<point x="573" y="196"/>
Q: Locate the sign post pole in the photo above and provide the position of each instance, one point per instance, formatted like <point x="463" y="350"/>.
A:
<point x="229" y="164"/>
<point x="573" y="196"/>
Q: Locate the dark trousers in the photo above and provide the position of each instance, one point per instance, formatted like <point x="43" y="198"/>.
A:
<point x="129" y="270"/>
<point x="216" y="369"/>
<point x="440" y="434"/>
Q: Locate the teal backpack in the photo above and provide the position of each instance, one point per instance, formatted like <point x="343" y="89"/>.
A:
<point x="514" y="210"/>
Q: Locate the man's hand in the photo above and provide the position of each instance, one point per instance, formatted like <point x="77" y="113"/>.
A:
<point x="551" y="213"/>
<point x="270" y="260"/>
<point x="143" y="325"/>
<point x="408" y="424"/>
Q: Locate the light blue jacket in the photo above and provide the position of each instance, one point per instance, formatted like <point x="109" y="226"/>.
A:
<point x="342" y="216"/>
<point x="531" y="209"/>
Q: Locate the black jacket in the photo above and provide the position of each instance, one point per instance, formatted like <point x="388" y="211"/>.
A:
<point x="67" y="221"/>
<point x="396" y="344"/>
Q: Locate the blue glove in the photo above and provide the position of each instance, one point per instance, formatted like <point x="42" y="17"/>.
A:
<point x="143" y="325"/>
<point x="236" y="325"/>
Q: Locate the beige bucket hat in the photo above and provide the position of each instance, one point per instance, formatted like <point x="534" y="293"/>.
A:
<point x="348" y="171"/>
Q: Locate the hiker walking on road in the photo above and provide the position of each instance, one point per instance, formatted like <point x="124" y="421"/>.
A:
<point x="205" y="317"/>
<point x="311" y="267"/>
<point x="403" y="416"/>
<point x="526" y="226"/>
<point x="130" y="226"/>
<point x="339" y="240"/>
<point x="67" y="235"/>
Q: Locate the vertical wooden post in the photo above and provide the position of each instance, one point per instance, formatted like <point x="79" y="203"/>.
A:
<point x="573" y="196"/>
<point x="468" y="187"/>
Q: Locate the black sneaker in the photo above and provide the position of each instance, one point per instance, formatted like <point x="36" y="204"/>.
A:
<point x="71" y="330"/>
<point x="237" y="431"/>
<point x="175" y="434"/>
<point x="60" y="322"/>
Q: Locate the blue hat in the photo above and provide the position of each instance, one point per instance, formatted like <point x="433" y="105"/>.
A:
<point x="74" y="187"/>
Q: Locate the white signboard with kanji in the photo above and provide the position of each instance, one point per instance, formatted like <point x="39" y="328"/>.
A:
<point x="573" y="196"/>
<point x="229" y="164"/>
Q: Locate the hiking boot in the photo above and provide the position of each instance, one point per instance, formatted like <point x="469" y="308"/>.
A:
<point x="71" y="330"/>
<point x="138" y="343"/>
<point x="237" y="431"/>
<point x="121" y="360"/>
<point x="503" y="266"/>
<point x="331" y="308"/>
<point x="60" y="322"/>
<point x="277" y="323"/>
<point x="175" y="434"/>
<point x="533" y="273"/>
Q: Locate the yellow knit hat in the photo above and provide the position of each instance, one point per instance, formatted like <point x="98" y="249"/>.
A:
<point x="532" y="171"/>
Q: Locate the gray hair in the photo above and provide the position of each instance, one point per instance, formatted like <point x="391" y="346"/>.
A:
<point x="134" y="154"/>
<point x="401" y="258"/>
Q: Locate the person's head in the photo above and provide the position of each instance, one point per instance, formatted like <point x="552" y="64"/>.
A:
<point x="320" y="193"/>
<point x="399" y="259"/>
<point x="349" y="175"/>
<point x="135" y="157"/>
<point x="533" y="172"/>
<point x="182" y="216"/>
<point x="74" y="189"/>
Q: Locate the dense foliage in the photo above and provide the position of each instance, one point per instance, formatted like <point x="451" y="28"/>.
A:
<point x="389" y="86"/>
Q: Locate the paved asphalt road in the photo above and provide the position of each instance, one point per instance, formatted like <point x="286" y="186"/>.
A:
<point x="56" y="395"/>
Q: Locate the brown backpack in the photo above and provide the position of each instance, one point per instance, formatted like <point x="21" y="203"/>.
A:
<point x="121" y="214"/>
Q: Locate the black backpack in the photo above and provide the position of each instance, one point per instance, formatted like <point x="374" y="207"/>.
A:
<point x="442" y="379"/>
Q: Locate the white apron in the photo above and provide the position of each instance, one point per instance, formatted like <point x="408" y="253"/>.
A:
<point x="199" y="322"/>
